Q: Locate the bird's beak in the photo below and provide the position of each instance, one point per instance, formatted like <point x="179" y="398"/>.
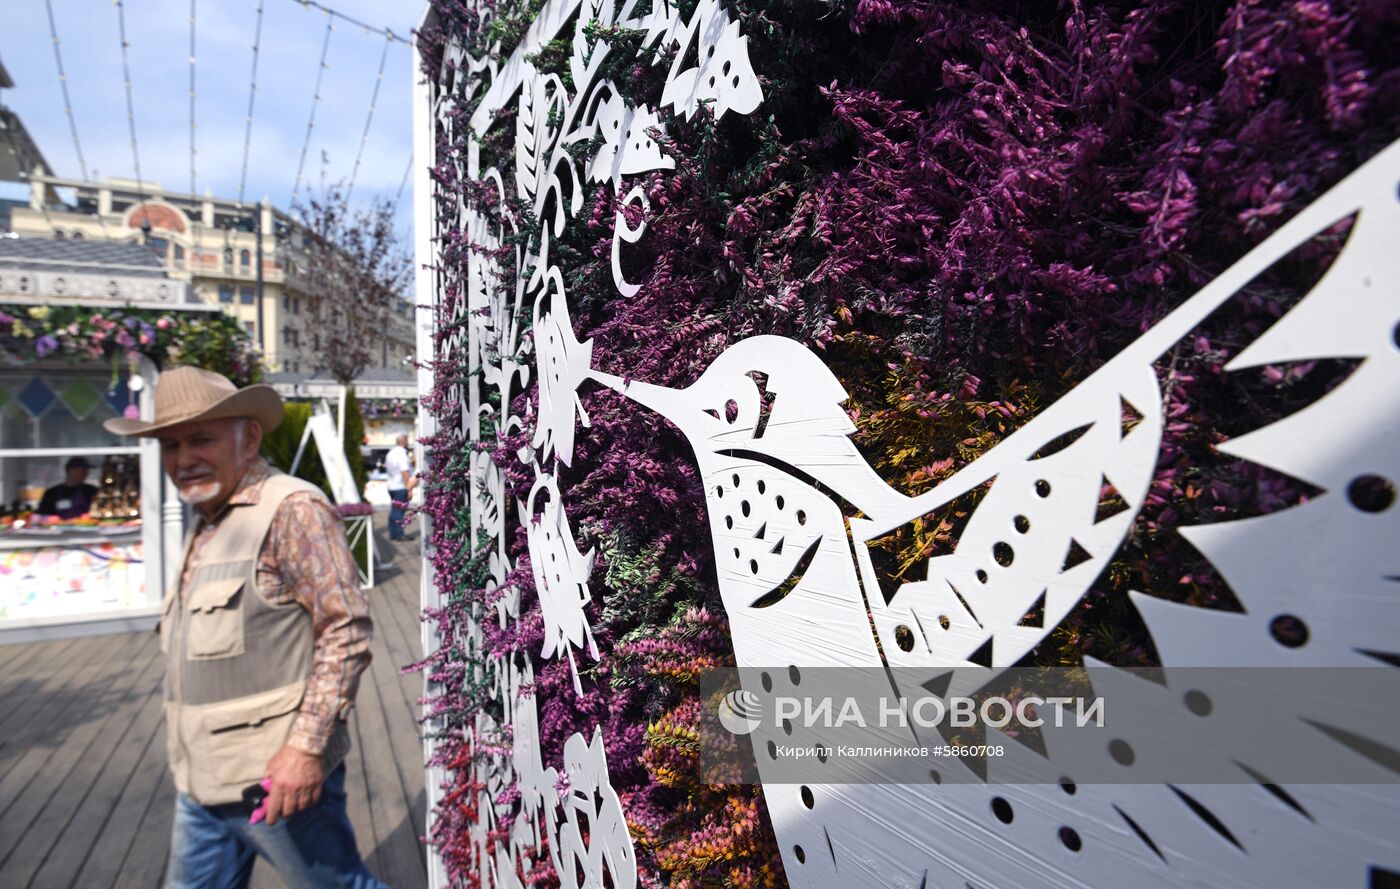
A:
<point x="669" y="403"/>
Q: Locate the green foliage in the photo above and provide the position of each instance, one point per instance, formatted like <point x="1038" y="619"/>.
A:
<point x="280" y="446"/>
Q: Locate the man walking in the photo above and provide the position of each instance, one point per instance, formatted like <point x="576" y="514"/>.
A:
<point x="401" y="483"/>
<point x="265" y="636"/>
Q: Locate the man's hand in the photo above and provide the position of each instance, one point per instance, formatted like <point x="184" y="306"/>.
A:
<point x="296" y="779"/>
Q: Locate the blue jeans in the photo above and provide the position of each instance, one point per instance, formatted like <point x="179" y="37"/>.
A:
<point x="213" y="847"/>
<point x="396" y="510"/>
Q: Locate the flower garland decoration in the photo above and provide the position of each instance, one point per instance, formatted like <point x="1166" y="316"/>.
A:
<point x="210" y="340"/>
<point x="980" y="205"/>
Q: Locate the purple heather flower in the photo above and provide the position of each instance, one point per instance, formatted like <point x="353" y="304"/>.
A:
<point x="45" y="344"/>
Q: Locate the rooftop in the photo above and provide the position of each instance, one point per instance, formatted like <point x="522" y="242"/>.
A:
<point x="78" y="256"/>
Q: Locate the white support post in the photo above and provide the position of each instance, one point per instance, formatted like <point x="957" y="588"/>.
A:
<point x="301" y="449"/>
<point x="340" y="418"/>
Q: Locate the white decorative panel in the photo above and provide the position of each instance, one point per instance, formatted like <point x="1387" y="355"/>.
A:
<point x="793" y="508"/>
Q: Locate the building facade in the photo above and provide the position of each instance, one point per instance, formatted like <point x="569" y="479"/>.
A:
<point x="251" y="260"/>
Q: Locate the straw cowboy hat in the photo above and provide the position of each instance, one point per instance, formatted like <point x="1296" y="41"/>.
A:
<point x="191" y="395"/>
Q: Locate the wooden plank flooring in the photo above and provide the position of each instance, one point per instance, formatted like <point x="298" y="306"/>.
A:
<point x="85" y="797"/>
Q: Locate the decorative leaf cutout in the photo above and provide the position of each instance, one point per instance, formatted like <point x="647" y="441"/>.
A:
<point x="1035" y="617"/>
<point x="1111" y="502"/>
<point x="782" y="590"/>
<point x="1130" y="417"/>
<point x="1061" y="441"/>
<point x="1076" y="556"/>
<point x="982" y="657"/>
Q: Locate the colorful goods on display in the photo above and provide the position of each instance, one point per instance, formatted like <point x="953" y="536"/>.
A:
<point x="210" y="340"/>
<point x="119" y="495"/>
<point x="117" y="502"/>
<point x="910" y="336"/>
<point x="391" y="408"/>
<point x="58" y="581"/>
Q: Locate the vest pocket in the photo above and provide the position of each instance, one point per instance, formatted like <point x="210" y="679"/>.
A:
<point x="244" y="734"/>
<point x="215" y="620"/>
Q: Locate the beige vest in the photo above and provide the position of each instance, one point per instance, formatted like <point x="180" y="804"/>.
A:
<point x="236" y="665"/>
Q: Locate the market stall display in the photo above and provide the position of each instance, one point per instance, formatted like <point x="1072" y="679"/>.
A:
<point x="74" y="541"/>
<point x="85" y="519"/>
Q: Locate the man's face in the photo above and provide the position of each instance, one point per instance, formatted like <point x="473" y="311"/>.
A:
<point x="205" y="460"/>
<point x="76" y="475"/>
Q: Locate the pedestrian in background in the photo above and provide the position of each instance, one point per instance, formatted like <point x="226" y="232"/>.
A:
<point x="399" y="468"/>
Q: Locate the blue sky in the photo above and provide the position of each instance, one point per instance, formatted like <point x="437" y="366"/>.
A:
<point x="158" y="32"/>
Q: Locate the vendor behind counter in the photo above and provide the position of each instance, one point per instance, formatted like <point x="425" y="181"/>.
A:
<point x="73" y="496"/>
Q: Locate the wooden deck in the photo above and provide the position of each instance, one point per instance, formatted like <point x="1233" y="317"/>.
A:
<point x="85" y="797"/>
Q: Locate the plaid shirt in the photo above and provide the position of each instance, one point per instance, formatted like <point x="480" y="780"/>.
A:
<point x="306" y="560"/>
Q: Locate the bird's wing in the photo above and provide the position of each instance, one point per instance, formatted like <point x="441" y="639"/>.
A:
<point x="1037" y="537"/>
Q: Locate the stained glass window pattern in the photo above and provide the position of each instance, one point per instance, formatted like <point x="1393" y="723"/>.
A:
<point x="16" y="426"/>
<point x="37" y="397"/>
<point x="81" y="397"/>
<point x="61" y="409"/>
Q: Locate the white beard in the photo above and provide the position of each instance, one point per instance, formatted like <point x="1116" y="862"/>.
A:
<point x="202" y="493"/>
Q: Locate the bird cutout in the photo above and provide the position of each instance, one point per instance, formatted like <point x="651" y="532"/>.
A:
<point x="562" y="364"/>
<point x="628" y="148"/>
<point x="561" y="575"/>
<point x="792" y="480"/>
<point x="802" y="482"/>
<point x="1032" y="546"/>
<point x="723" y="78"/>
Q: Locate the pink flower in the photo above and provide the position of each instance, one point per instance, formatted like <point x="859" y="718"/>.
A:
<point x="164" y="323"/>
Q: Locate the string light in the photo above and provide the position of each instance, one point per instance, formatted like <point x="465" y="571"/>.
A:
<point x="193" y="150"/>
<point x="331" y="15"/>
<point x="130" y="104"/>
<point x="386" y="32"/>
<point x="402" y="182"/>
<point x="252" y="96"/>
<point x="315" y="101"/>
<point x="63" y="84"/>
<point x="369" y="119"/>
